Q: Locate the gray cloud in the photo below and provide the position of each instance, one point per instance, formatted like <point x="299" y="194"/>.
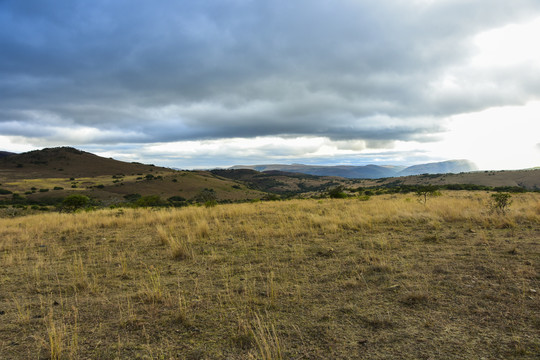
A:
<point x="133" y="72"/>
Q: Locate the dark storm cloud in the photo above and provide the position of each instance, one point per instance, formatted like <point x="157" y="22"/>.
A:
<point x="142" y="71"/>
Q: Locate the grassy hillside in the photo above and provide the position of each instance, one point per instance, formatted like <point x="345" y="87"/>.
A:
<point x="302" y="279"/>
<point x="62" y="162"/>
<point x="49" y="175"/>
<point x="528" y="179"/>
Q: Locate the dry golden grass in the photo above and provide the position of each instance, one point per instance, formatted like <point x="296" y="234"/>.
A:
<point x="313" y="279"/>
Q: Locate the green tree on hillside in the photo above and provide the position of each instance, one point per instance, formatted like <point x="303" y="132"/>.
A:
<point x="75" y="201"/>
<point x="337" y="193"/>
<point x="206" y="196"/>
<point x="150" y="200"/>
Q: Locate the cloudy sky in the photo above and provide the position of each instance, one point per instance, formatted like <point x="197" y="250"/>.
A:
<point x="206" y="83"/>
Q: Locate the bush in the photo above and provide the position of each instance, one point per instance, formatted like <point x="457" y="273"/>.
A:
<point x="75" y="201"/>
<point x="206" y="195"/>
<point x="337" y="193"/>
<point x="500" y="202"/>
<point x="132" y="197"/>
<point x="150" y="200"/>
<point x="58" y="188"/>
<point x="5" y="192"/>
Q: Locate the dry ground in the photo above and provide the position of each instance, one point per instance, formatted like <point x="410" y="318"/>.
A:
<point x="304" y="279"/>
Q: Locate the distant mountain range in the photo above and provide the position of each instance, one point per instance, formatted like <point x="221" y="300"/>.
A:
<point x="368" y="171"/>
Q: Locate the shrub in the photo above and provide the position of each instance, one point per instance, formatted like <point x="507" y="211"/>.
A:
<point x="337" y="193"/>
<point x="75" y="201"/>
<point x="150" y="200"/>
<point x="43" y="190"/>
<point x="58" y="188"/>
<point x="132" y="197"/>
<point x="500" y="202"/>
<point x="206" y="195"/>
<point x="5" y="192"/>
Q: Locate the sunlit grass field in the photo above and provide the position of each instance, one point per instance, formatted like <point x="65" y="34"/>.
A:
<point x="387" y="278"/>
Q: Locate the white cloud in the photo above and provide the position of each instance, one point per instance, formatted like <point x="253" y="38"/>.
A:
<point x="511" y="45"/>
<point x="495" y="139"/>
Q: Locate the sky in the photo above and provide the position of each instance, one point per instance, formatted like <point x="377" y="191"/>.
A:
<point x="216" y="83"/>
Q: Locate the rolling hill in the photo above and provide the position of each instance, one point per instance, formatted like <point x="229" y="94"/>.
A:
<point x="51" y="174"/>
<point x="528" y="179"/>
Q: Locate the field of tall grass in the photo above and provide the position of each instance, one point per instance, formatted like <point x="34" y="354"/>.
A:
<point x="300" y="279"/>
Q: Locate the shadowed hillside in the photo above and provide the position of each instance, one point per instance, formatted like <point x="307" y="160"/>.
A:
<point x="67" y="161"/>
<point x="6" y="153"/>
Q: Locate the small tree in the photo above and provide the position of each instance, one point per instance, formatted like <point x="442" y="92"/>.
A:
<point x="150" y="200"/>
<point x="337" y="193"/>
<point x="427" y="191"/>
<point x="206" y="196"/>
<point x="75" y="201"/>
<point x="500" y="202"/>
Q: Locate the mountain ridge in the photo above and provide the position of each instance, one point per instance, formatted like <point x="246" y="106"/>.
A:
<point x="370" y="171"/>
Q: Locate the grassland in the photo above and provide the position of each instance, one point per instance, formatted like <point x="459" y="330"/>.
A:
<point x="300" y="279"/>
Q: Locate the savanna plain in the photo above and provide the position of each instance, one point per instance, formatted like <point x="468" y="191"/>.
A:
<point x="386" y="278"/>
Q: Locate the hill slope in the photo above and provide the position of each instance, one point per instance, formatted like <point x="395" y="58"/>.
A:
<point x="280" y="182"/>
<point x="67" y="161"/>
<point x="51" y="174"/>
<point x="527" y="179"/>
<point x="6" y="153"/>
